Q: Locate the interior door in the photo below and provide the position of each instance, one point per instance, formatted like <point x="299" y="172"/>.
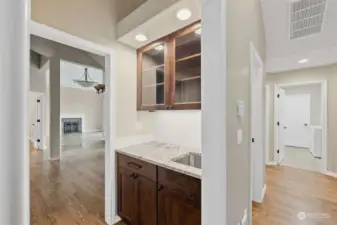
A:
<point x="297" y="111"/>
<point x="281" y="124"/>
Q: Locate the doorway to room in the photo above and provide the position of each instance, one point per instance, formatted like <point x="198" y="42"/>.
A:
<point x="300" y="132"/>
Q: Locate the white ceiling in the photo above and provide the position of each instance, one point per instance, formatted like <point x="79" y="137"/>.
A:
<point x="162" y="24"/>
<point x="282" y="53"/>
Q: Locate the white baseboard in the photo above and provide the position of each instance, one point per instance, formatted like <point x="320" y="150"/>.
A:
<point x="271" y="163"/>
<point x="332" y="174"/>
<point x="115" y="221"/>
<point x="54" y="158"/>
<point x="124" y="142"/>
<point x="263" y="193"/>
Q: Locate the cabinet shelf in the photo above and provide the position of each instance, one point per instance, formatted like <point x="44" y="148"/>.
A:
<point x="152" y="68"/>
<point x="188" y="57"/>
<point x="153" y="85"/>
<point x="188" y="78"/>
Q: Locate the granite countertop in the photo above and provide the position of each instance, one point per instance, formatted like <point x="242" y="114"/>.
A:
<point x="161" y="154"/>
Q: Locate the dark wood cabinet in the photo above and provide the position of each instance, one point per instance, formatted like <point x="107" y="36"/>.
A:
<point x="169" y="71"/>
<point x="151" y="195"/>
<point x="137" y="198"/>
<point x="177" y="209"/>
<point x="127" y="196"/>
<point x="146" y="201"/>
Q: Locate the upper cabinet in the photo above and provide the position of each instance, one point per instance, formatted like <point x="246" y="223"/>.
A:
<point x="169" y="71"/>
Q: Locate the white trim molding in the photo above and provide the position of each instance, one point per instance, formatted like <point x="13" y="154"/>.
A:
<point x="271" y="163"/>
<point x="264" y="190"/>
<point x="331" y="174"/>
<point x="109" y="110"/>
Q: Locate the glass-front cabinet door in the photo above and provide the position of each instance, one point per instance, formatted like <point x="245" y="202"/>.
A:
<point x="186" y="69"/>
<point x="152" y="77"/>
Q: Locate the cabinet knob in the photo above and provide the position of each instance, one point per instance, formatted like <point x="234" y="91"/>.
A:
<point x="160" y="187"/>
<point x="170" y="107"/>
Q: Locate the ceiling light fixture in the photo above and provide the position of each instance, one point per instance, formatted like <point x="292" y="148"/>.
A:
<point x="198" y="31"/>
<point x="141" y="37"/>
<point x="184" y="14"/>
<point x="303" y="61"/>
<point x="87" y="82"/>
<point x="159" y="48"/>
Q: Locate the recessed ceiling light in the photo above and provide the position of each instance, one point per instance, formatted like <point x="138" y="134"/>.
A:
<point x="159" y="47"/>
<point x="141" y="37"/>
<point x="303" y="61"/>
<point x="198" y="31"/>
<point x="184" y="14"/>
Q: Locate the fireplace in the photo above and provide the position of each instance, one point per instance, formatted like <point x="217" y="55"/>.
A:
<point x="72" y="125"/>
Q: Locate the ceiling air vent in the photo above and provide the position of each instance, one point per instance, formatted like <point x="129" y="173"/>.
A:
<point x="306" y="17"/>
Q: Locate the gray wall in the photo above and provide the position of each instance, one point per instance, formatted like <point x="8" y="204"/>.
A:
<point x="328" y="73"/>
<point x="244" y="25"/>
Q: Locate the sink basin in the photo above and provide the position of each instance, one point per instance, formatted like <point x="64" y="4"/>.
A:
<point x="189" y="159"/>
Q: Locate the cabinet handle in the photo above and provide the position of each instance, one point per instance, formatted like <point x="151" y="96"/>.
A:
<point x="191" y="198"/>
<point x="160" y="187"/>
<point x="134" y="176"/>
<point x="134" y="165"/>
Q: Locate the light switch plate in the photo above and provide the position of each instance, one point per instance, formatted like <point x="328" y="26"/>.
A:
<point x="239" y="137"/>
<point x="241" y="109"/>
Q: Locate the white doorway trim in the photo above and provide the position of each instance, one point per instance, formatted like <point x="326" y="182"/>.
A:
<point x="257" y="129"/>
<point x="324" y="116"/>
<point x="267" y="123"/>
<point x="62" y="37"/>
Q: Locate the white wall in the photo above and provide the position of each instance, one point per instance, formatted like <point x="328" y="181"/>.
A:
<point x="71" y="71"/>
<point x="178" y="127"/>
<point x="314" y="90"/>
<point x="88" y="105"/>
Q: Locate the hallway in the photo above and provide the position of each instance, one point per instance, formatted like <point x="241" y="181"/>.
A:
<point x="292" y="191"/>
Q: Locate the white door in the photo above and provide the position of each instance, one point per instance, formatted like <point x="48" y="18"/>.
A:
<point x="281" y="124"/>
<point x="257" y="127"/>
<point x="297" y="111"/>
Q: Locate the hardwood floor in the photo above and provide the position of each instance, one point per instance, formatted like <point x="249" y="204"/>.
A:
<point x="72" y="192"/>
<point x="291" y="191"/>
<point x="69" y="192"/>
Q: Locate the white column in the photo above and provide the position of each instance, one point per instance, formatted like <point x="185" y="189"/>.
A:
<point x="14" y="73"/>
<point x="213" y="78"/>
<point x="54" y="106"/>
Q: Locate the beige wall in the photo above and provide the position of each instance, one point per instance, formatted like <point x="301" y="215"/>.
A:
<point x="328" y="73"/>
<point x="244" y="24"/>
<point x="95" y="21"/>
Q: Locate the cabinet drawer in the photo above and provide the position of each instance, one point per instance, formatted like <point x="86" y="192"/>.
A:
<point x="186" y="185"/>
<point x="140" y="167"/>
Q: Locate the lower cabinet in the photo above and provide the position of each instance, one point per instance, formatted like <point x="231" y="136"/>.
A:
<point x="151" y="195"/>
<point x="177" y="209"/>
<point x="136" y="199"/>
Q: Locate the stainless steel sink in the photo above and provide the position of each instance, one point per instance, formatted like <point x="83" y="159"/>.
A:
<point x="189" y="159"/>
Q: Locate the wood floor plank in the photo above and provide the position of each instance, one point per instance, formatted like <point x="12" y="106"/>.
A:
<point x="69" y="192"/>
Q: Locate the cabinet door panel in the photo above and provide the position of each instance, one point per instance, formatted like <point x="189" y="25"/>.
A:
<point x="177" y="209"/>
<point x="147" y="207"/>
<point x="127" y="196"/>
